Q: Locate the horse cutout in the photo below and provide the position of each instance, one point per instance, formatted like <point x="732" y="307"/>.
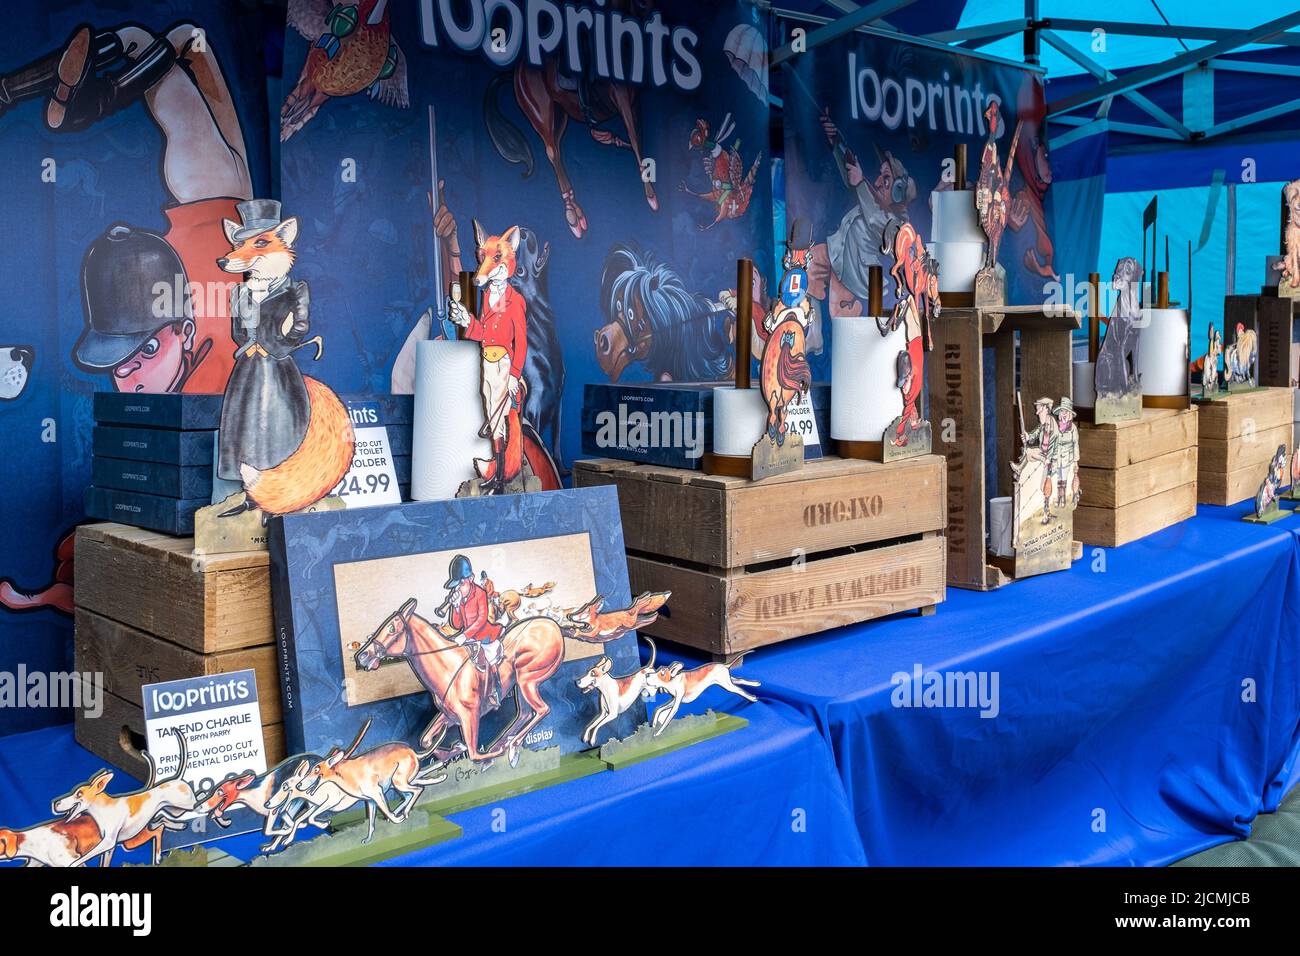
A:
<point x="532" y="650"/>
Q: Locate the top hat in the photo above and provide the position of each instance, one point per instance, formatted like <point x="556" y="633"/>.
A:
<point x="119" y="298"/>
<point x="1066" y="406"/>
<point x="256" y="215"/>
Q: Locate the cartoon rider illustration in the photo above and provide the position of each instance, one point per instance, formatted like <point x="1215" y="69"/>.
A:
<point x="1043" y="439"/>
<point x="468" y="611"/>
<point x="1065" y="461"/>
<point x="184" y="345"/>
<point x="148" y="343"/>
<point x="855" y="244"/>
<point x="916" y="277"/>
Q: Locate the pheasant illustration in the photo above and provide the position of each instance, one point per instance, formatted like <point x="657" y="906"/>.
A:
<point x="352" y="50"/>
<point x="730" y="187"/>
<point x="993" y="191"/>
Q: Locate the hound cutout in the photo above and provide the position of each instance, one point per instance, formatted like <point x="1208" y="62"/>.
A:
<point x="686" y="686"/>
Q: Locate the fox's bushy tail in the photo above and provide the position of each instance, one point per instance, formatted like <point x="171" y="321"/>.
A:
<point x="316" y="465"/>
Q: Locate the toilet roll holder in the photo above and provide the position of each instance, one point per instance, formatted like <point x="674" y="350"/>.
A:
<point x="908" y="435"/>
<point x="1267" y="510"/>
<point x="738" y="466"/>
<point x="1288" y="264"/>
<point x="1046" y="490"/>
<point x="784" y="375"/>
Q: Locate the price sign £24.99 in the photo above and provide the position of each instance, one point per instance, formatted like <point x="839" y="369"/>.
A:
<point x="372" y="479"/>
<point x="801" y="421"/>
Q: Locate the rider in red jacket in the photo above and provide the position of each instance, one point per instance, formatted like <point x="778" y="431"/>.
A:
<point x="469" y="612"/>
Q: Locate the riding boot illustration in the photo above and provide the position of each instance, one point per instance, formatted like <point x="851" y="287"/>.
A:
<point x="82" y="97"/>
<point x="489" y="469"/>
<point x="491" y="680"/>
<point x="40" y="78"/>
<point x="512" y="450"/>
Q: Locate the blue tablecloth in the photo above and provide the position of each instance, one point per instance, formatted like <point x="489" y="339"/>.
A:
<point x="767" y="794"/>
<point x="1148" y="705"/>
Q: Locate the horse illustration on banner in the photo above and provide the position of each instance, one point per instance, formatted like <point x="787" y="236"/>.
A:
<point x="470" y="664"/>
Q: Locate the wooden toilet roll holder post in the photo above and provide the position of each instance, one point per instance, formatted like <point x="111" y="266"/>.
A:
<point x="738" y="466"/>
<point x="959" y="299"/>
<point x="468" y="297"/>
<point x="1094" y="341"/>
<point x="1183" y="401"/>
<point x="867" y="450"/>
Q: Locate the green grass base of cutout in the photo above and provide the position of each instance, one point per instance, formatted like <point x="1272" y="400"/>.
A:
<point x="343" y="846"/>
<point x="683" y="732"/>
<point x="1269" y="517"/>
<point x="571" y="767"/>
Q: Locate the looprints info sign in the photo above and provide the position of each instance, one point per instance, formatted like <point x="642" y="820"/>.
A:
<point x="220" y="721"/>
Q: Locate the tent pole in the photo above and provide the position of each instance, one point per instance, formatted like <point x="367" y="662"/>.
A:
<point x="1231" y="255"/>
<point x="1032" y="56"/>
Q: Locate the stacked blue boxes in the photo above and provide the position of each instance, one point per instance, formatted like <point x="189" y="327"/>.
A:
<point x="152" y="464"/>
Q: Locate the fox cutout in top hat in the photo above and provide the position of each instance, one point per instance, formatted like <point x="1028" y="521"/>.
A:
<point x="284" y="436"/>
<point x="256" y="215"/>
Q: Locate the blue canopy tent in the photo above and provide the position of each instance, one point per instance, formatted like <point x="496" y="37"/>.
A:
<point x="1197" y="101"/>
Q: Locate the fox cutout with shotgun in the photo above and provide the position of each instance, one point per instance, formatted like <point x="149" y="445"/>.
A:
<point x="501" y="329"/>
<point x="286" y="437"/>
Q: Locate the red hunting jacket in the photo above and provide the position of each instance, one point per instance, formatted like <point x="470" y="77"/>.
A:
<point x="506" y="326"/>
<point x="473" y="619"/>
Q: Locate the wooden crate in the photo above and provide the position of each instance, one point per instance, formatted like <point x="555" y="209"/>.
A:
<point x="154" y="582"/>
<point x="1137" y="477"/>
<point x="1238" y="434"/>
<point x="755" y="563"/>
<point x="1040" y="336"/>
<point x="149" y="610"/>
<point x="1275" y="320"/>
<point x="117" y="736"/>
<point x="130" y="658"/>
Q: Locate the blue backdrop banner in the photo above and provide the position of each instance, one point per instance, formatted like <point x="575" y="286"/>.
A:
<point x="112" y="216"/>
<point x="627" y="141"/>
<point x="870" y="127"/>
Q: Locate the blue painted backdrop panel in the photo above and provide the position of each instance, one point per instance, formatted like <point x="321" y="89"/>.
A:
<point x="58" y="192"/>
<point x="358" y="174"/>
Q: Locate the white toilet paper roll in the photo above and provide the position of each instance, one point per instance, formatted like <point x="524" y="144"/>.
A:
<point x="958" y="263"/>
<point x="953" y="216"/>
<point x="1162" y="352"/>
<point x="448" y="416"/>
<point x="1271" y="272"/>
<point x="864" y="378"/>
<point x="1000" y="510"/>
<point x="1085" y="385"/>
<point x="739" y="417"/>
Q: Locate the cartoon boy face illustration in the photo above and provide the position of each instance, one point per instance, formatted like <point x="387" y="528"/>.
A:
<point x="161" y="364"/>
<point x="135" y="330"/>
